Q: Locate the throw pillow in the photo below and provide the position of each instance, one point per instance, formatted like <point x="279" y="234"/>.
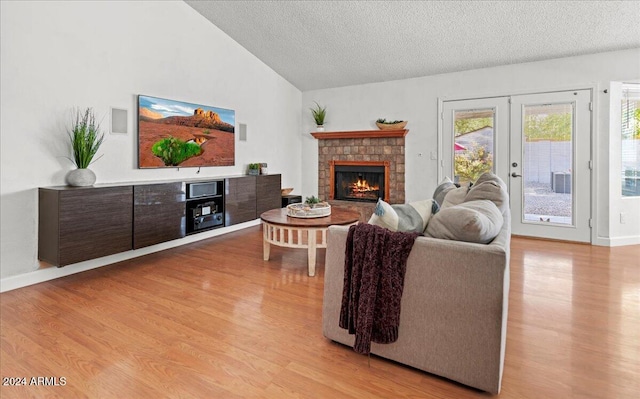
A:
<point x="490" y="187"/>
<point x="406" y="217"/>
<point x="443" y="188"/>
<point x="455" y="196"/>
<point x="475" y="221"/>
<point x="490" y="176"/>
<point x="384" y="216"/>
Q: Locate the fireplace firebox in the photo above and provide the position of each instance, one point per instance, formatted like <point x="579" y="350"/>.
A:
<point x="359" y="181"/>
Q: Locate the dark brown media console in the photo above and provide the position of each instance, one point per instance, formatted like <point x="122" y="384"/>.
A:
<point x="158" y="213"/>
<point x="83" y="223"/>
<point x="240" y="201"/>
<point x="266" y="196"/>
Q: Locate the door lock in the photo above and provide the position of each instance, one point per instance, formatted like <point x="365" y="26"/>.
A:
<point x="514" y="164"/>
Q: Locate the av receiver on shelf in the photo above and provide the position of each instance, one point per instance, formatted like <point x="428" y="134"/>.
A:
<point x="205" y="215"/>
<point x="205" y="205"/>
<point x="204" y="209"/>
<point x="208" y="221"/>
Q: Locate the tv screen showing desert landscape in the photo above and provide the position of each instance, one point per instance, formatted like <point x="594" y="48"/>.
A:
<point x="179" y="134"/>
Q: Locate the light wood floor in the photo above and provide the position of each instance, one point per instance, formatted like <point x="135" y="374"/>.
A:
<point x="213" y="320"/>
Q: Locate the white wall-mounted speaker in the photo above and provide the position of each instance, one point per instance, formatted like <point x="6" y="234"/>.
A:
<point x="242" y="136"/>
<point x="119" y="121"/>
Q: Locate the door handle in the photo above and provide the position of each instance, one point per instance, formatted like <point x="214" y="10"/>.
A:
<point x="514" y="174"/>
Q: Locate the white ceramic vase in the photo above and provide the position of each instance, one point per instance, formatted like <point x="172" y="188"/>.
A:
<point x="81" y="177"/>
<point x="319" y="128"/>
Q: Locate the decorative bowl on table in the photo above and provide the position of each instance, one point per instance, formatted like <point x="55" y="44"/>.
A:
<point x="286" y="191"/>
<point x="318" y="210"/>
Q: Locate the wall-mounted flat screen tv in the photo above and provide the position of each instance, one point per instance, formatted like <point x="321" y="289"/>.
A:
<point x="179" y="134"/>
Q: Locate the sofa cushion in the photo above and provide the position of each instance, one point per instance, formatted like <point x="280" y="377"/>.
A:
<point x="490" y="176"/>
<point x="476" y="221"/>
<point x="406" y="217"/>
<point x="443" y="188"/>
<point x="490" y="187"/>
<point x="455" y="197"/>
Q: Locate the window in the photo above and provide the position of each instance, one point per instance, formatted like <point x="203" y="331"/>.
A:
<point x="630" y="130"/>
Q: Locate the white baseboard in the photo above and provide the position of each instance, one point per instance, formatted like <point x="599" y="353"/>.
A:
<point x="617" y="241"/>
<point x="620" y="241"/>
<point x="50" y="273"/>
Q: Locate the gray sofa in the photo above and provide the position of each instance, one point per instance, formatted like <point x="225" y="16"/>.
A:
<point x="454" y="307"/>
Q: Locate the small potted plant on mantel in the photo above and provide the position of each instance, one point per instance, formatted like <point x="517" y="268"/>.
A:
<point x="319" y="114"/>
<point x="85" y="137"/>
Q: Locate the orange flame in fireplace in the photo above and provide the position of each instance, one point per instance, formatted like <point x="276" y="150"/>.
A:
<point x="361" y="186"/>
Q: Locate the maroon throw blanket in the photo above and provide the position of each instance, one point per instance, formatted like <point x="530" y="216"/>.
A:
<point x="374" y="269"/>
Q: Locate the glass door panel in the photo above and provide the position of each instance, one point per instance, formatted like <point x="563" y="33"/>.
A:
<point x="473" y="144"/>
<point x="547" y="163"/>
<point x="475" y="138"/>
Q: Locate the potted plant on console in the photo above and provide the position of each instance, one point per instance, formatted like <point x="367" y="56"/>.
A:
<point x="85" y="137"/>
<point x="254" y="169"/>
<point x="319" y="114"/>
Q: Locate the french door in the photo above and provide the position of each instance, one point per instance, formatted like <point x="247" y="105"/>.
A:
<point x="539" y="144"/>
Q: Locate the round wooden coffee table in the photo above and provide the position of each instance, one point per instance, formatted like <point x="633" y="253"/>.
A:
<point x="286" y="231"/>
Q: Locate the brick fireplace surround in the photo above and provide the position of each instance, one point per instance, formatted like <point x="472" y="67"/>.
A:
<point x="368" y="145"/>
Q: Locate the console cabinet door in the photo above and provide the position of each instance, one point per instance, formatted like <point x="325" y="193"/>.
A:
<point x="79" y="224"/>
<point x="268" y="193"/>
<point x="239" y="200"/>
<point x="158" y="213"/>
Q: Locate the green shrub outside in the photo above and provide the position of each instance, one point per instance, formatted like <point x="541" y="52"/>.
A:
<point x="472" y="163"/>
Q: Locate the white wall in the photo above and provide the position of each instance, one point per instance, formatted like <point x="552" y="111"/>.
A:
<point x="416" y="100"/>
<point x="56" y="56"/>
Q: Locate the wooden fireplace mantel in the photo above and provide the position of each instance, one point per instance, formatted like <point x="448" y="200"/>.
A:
<point x="360" y="134"/>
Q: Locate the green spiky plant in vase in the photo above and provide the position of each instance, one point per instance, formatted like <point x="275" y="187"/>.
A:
<point x="319" y="114"/>
<point x="85" y="138"/>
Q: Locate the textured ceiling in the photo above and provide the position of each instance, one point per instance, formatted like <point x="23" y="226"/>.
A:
<point x="323" y="44"/>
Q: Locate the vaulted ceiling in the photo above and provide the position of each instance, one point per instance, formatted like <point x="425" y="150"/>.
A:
<point x="324" y="44"/>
